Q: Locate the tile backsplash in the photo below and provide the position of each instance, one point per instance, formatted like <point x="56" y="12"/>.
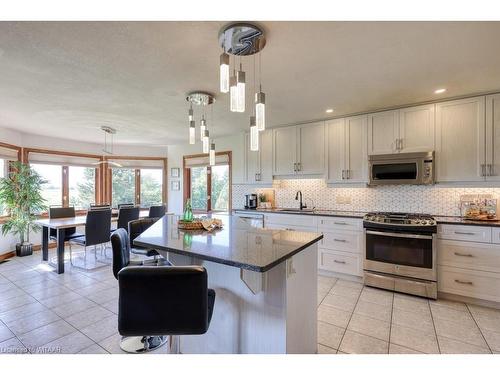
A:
<point x="435" y="200"/>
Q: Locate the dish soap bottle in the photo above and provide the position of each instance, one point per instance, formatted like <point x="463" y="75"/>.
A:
<point x="188" y="212"/>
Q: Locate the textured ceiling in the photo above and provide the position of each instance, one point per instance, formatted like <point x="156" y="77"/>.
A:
<point x="66" y="79"/>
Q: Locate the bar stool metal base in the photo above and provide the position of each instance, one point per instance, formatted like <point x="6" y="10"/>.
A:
<point x="142" y="344"/>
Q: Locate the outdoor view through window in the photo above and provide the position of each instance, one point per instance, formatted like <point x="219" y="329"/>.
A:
<point x="3" y="173"/>
<point x="81" y="181"/>
<point x="52" y="190"/>
<point x="219" y="188"/>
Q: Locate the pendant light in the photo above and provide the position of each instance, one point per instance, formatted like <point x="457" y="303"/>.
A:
<point x="224" y="72"/>
<point x="212" y="154"/>
<point x="190" y="113"/>
<point x="260" y="103"/>
<point x="192" y="133"/>
<point x="233" y="94"/>
<point x="206" y="141"/>
<point x="240" y="89"/>
<point x="203" y="127"/>
<point x="254" y="135"/>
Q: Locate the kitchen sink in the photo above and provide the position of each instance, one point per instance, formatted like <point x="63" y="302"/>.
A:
<point x="295" y="210"/>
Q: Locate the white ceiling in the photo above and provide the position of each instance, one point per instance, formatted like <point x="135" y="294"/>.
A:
<point x="66" y="79"/>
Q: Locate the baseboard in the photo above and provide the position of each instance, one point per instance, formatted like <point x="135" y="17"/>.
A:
<point x="339" y="275"/>
<point x="7" y="255"/>
<point x="473" y="301"/>
<point x="11" y="254"/>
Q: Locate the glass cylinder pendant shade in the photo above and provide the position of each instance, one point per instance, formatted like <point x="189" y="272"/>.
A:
<point x="211" y="156"/>
<point x="240" y="89"/>
<point x="190" y="114"/>
<point x="203" y="127"/>
<point x="206" y="142"/>
<point x="233" y="94"/>
<point x="224" y="72"/>
<point x="254" y="135"/>
<point x="260" y="110"/>
<point x="192" y="133"/>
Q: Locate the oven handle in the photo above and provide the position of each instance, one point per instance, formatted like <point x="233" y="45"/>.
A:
<point x="402" y="235"/>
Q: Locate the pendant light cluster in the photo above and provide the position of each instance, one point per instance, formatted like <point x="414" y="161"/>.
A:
<point x="238" y="40"/>
<point x="201" y="99"/>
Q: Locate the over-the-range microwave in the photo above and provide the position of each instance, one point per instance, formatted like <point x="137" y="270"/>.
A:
<point x="416" y="168"/>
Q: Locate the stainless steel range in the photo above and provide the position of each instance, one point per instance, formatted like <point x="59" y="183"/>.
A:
<point x="401" y="252"/>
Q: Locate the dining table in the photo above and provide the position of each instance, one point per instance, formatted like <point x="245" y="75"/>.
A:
<point x="60" y="225"/>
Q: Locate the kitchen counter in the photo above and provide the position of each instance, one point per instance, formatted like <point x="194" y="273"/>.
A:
<point x="461" y="221"/>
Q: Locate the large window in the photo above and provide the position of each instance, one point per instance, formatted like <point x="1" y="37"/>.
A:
<point x="3" y="173"/>
<point x="199" y="188"/>
<point x="220" y="188"/>
<point x="52" y="191"/>
<point x="122" y="186"/>
<point x="151" y="187"/>
<point x="81" y="186"/>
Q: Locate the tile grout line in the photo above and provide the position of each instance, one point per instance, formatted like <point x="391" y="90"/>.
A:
<point x="434" y="326"/>
<point x="349" y="321"/>
<point x="479" y="328"/>
<point x="390" y="325"/>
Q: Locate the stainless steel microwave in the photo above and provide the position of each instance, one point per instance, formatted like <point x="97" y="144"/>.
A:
<point x="416" y="168"/>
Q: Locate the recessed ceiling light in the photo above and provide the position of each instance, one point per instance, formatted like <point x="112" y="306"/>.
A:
<point x="329" y="110"/>
<point x="439" y="91"/>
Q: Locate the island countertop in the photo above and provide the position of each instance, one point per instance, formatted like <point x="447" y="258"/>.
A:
<point x="238" y="244"/>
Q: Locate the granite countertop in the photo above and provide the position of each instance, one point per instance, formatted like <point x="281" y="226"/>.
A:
<point x="238" y="244"/>
<point x="360" y="214"/>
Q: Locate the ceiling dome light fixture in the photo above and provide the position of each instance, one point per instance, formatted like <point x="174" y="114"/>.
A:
<point x="440" y="91"/>
<point x="199" y="98"/>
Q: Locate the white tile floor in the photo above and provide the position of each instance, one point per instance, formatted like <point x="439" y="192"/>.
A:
<point x="76" y="312"/>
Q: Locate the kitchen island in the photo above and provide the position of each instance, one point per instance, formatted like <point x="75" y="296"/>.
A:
<point x="265" y="280"/>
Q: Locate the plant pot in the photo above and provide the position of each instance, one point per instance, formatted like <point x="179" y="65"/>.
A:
<point x="24" y="249"/>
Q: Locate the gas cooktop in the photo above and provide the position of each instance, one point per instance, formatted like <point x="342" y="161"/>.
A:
<point x="399" y="218"/>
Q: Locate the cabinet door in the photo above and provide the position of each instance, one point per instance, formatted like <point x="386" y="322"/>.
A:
<point x="493" y="137"/>
<point x="284" y="150"/>
<point x="383" y="130"/>
<point x="356" y="154"/>
<point x="251" y="162"/>
<point x="460" y="151"/>
<point x="266" y="157"/>
<point x="336" y="150"/>
<point x="416" y="128"/>
<point x="311" y="148"/>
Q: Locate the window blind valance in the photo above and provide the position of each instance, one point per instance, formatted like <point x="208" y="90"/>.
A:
<point x="8" y="153"/>
<point x="69" y="160"/>
<point x="203" y="161"/>
<point x="137" y="164"/>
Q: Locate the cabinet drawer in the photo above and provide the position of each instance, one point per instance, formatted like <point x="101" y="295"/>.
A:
<point x="338" y="261"/>
<point x="343" y="223"/>
<point x="294" y="228"/>
<point x="294" y="220"/>
<point x="349" y="241"/>
<point x="495" y="235"/>
<point x="474" y="256"/>
<point x="475" y="284"/>
<point x="464" y="233"/>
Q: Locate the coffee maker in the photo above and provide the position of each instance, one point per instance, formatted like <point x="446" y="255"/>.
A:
<point x="251" y="201"/>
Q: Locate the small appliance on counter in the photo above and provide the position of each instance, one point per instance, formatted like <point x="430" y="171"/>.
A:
<point x="478" y="207"/>
<point x="251" y="201"/>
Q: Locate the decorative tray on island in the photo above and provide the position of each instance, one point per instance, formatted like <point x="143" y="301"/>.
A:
<point x="197" y="224"/>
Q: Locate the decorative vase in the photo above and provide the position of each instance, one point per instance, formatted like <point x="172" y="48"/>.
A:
<point x="24" y="249"/>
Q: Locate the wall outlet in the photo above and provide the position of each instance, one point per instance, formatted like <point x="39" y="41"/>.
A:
<point x="342" y="199"/>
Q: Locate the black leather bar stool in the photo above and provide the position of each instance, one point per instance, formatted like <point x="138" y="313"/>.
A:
<point x="159" y="302"/>
<point x="157" y="211"/>
<point x="135" y="228"/>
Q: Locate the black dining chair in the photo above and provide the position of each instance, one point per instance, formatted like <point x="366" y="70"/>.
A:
<point x="99" y="206"/>
<point x="127" y="214"/>
<point x="121" y="205"/>
<point x="97" y="229"/>
<point x="159" y="304"/>
<point x="59" y="212"/>
<point x="157" y="211"/>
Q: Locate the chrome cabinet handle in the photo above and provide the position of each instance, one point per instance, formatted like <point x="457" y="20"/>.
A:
<point x="348" y="173"/>
<point x="299" y="167"/>
<point x="483" y="170"/>
<point x="337" y="240"/>
<point x="465" y="233"/>
<point x="295" y="167"/>
<point x="400" y="143"/>
<point x="343" y="174"/>
<point x="464" y="282"/>
<point x="339" y="223"/>
<point x="464" y="255"/>
<point x="339" y="261"/>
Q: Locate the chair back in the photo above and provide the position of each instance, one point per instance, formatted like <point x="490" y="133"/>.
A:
<point x="121" y="250"/>
<point x="172" y="300"/>
<point x="121" y="205"/>
<point x="136" y="227"/>
<point x="97" y="227"/>
<point x="157" y="211"/>
<point x="59" y="212"/>
<point x="99" y="206"/>
<point x="127" y="214"/>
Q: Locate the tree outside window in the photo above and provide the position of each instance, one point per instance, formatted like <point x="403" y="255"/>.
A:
<point x="52" y="190"/>
<point x="151" y="187"/>
<point x="123" y="186"/>
<point x="81" y="181"/>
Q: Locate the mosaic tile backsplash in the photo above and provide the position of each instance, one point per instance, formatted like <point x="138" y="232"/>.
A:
<point x="435" y="200"/>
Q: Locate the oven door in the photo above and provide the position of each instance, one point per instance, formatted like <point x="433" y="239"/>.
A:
<point x="385" y="172"/>
<point x="403" y="254"/>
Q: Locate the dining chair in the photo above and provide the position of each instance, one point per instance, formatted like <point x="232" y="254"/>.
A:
<point x="99" y="206"/>
<point x="127" y="214"/>
<point x="97" y="229"/>
<point x="157" y="211"/>
<point x="121" y="205"/>
<point x="59" y="212"/>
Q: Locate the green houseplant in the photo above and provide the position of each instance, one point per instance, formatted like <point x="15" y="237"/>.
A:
<point x="20" y="194"/>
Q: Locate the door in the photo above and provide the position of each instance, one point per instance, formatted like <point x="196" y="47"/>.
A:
<point x="460" y="140"/>
<point x="311" y="148"/>
<point x="285" y="150"/>
<point x="493" y="137"/>
<point x="416" y="129"/>
<point x="383" y="130"/>
<point x="356" y="154"/>
<point x="336" y="150"/>
<point x="252" y="167"/>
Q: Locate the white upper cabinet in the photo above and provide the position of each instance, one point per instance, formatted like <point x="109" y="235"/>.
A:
<point x="299" y="150"/>
<point x="346" y="149"/>
<point x="383" y="131"/>
<point x="258" y="164"/>
<point x="460" y="140"/>
<point x="493" y="137"/>
<point x="416" y="129"/>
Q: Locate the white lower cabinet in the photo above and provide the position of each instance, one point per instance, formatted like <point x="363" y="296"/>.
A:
<point x="339" y="261"/>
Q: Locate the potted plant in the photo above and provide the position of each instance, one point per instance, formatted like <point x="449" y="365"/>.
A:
<point x="20" y="194"/>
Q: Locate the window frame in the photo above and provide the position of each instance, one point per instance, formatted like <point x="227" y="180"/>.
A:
<point x="187" y="182"/>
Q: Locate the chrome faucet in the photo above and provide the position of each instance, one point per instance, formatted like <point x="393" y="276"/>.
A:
<point x="298" y="197"/>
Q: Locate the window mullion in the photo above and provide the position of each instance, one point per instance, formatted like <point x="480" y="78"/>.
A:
<point x="65" y="186"/>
